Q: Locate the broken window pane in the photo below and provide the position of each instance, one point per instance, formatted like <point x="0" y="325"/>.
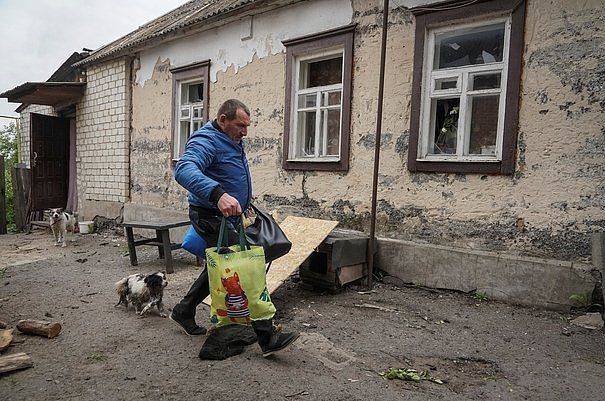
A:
<point x="445" y="121"/>
<point x="484" y="125"/>
<point x="191" y="93"/>
<point x="306" y="133"/>
<point x="485" y="81"/>
<point x="320" y="73"/>
<point x="469" y="46"/>
<point x="196" y="92"/>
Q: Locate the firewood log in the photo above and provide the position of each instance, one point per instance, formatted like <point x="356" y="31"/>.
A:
<point x="6" y="336"/>
<point x="11" y="362"/>
<point x="39" y="328"/>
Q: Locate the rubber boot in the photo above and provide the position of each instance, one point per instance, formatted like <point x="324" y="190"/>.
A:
<point x="183" y="313"/>
<point x="270" y="339"/>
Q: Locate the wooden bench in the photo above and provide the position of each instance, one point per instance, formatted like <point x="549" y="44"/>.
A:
<point x="161" y="240"/>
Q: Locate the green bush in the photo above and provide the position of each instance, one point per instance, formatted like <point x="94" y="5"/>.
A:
<point x="8" y="149"/>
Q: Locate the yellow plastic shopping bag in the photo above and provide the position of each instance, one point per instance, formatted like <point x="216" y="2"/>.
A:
<point x="238" y="282"/>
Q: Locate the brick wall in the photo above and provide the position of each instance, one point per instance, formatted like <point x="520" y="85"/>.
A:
<point x="24" y="140"/>
<point x="103" y="134"/>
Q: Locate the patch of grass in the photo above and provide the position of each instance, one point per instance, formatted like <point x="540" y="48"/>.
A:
<point x="2" y="271"/>
<point x="97" y="356"/>
<point x="480" y="296"/>
<point x="581" y="299"/>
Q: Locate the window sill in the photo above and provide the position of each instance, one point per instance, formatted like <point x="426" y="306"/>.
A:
<point x="315" y="160"/>
<point x="457" y="166"/>
<point x="324" y="164"/>
<point x="459" y="159"/>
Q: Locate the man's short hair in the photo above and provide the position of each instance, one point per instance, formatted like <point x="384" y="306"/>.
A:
<point x="229" y="108"/>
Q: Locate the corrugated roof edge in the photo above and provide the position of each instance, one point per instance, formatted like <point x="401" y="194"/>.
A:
<point x="99" y="55"/>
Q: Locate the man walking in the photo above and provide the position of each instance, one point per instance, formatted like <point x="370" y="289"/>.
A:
<point x="215" y="171"/>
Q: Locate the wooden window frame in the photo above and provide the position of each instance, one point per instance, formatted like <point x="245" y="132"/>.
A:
<point x="486" y="10"/>
<point x="180" y="75"/>
<point x="308" y="46"/>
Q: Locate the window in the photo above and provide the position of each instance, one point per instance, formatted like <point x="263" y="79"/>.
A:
<point x="318" y="108"/>
<point x="190" y="103"/>
<point x="465" y="90"/>
<point x="191" y="109"/>
<point x="462" y="111"/>
<point x="318" y="88"/>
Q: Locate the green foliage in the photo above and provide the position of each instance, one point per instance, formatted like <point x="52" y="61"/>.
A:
<point x="480" y="296"/>
<point x="581" y="299"/>
<point x="97" y="356"/>
<point x="8" y="149"/>
<point x="410" y="375"/>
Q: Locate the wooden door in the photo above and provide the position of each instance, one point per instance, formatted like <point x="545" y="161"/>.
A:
<point x="49" y="161"/>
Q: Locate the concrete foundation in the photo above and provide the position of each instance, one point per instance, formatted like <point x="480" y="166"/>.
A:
<point x="528" y="281"/>
<point x="91" y="208"/>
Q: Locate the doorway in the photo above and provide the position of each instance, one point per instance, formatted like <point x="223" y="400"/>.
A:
<point x="49" y="162"/>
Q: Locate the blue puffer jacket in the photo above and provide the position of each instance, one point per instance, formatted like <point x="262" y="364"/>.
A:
<point x="212" y="160"/>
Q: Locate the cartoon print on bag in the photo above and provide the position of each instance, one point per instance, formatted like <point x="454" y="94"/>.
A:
<point x="236" y="301"/>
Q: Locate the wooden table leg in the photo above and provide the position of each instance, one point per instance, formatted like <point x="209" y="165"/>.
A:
<point x="158" y="236"/>
<point x="131" y="248"/>
<point x="167" y="250"/>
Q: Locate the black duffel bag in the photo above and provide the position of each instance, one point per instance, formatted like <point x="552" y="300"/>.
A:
<point x="266" y="232"/>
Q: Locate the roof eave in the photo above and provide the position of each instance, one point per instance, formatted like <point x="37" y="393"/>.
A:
<point x="45" y="93"/>
<point x="211" y="22"/>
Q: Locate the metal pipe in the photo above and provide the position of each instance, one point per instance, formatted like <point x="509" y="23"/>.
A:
<point x="383" y="51"/>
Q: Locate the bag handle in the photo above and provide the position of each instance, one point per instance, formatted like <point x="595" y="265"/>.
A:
<point x="243" y="244"/>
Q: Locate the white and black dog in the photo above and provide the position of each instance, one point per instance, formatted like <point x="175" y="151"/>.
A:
<point x="60" y="222"/>
<point x="139" y="289"/>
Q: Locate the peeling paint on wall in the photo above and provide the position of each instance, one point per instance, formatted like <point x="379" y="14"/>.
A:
<point x="225" y="48"/>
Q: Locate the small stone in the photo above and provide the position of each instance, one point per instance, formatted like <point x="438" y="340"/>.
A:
<point x="592" y="321"/>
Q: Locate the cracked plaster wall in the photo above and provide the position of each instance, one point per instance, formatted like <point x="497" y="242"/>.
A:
<point x="548" y="207"/>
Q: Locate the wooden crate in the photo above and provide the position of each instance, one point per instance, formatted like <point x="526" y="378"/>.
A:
<point x="338" y="260"/>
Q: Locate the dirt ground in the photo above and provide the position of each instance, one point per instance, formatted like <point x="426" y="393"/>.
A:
<point x="483" y="350"/>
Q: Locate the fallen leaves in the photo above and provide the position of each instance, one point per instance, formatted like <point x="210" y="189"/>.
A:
<point x="409" y="374"/>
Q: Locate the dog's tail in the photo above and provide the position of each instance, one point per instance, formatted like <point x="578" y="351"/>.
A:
<point x="122" y="290"/>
